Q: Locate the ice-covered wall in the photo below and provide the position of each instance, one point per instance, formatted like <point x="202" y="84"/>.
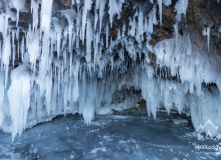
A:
<point x="75" y="59"/>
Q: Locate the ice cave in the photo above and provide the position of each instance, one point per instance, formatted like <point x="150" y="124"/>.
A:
<point x="110" y="79"/>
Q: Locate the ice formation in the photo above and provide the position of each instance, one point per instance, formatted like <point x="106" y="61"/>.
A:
<point x="206" y="32"/>
<point x="69" y="64"/>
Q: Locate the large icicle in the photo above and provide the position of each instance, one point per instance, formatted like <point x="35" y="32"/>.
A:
<point x="19" y="98"/>
<point x="113" y="9"/>
<point x="101" y="12"/>
<point x="87" y="8"/>
<point x="46" y="9"/>
<point x="88" y="41"/>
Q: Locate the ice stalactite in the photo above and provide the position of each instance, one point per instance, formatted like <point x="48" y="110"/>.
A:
<point x="34" y="10"/>
<point x="206" y="32"/>
<point x="76" y="85"/>
<point x="19" y="97"/>
<point x="87" y="8"/>
<point x="46" y="9"/>
<point x="69" y="14"/>
<point x="33" y="48"/>
<point x="1" y="97"/>
<point x="101" y="12"/>
<point x="180" y="8"/>
<point x="107" y="35"/>
<point x="78" y="59"/>
<point x="89" y="39"/>
<point x="6" y="56"/>
<point x="160" y="10"/>
<point x="113" y="9"/>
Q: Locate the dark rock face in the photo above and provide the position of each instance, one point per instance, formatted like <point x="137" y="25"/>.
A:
<point x="199" y="15"/>
<point x="202" y="14"/>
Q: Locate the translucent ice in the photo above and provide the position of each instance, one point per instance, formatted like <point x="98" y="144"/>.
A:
<point x="19" y="98"/>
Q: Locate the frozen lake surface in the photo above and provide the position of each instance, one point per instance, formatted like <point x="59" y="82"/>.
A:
<point x="109" y="137"/>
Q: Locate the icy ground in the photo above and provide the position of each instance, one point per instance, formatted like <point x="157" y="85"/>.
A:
<point x="108" y="137"/>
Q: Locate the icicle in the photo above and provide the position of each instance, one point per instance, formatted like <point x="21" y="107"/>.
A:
<point x="176" y="33"/>
<point x="58" y="30"/>
<point x="13" y="49"/>
<point x="17" y="33"/>
<point x="89" y="39"/>
<point x="2" y="23"/>
<point x="132" y="23"/>
<point x="160" y="10"/>
<point x="17" y="19"/>
<point x="87" y="7"/>
<point x="48" y="83"/>
<point x="189" y="48"/>
<point x="22" y="48"/>
<point x="19" y="98"/>
<point x="65" y="98"/>
<point x="33" y="49"/>
<point x="43" y="65"/>
<point x="180" y="8"/>
<point x="46" y="9"/>
<point x="154" y="15"/>
<point x="2" y="115"/>
<point x="96" y="14"/>
<point x="96" y="45"/>
<point x="34" y="10"/>
<point x="140" y="25"/>
<point x="101" y="11"/>
<point x="206" y="32"/>
<point x="107" y="35"/>
<point x="75" y="91"/>
<point x="69" y="14"/>
<point x="6" y="56"/>
<point x="113" y="9"/>
<point x="149" y="26"/>
<point x="118" y="35"/>
<point x="112" y="63"/>
<point x="123" y="30"/>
